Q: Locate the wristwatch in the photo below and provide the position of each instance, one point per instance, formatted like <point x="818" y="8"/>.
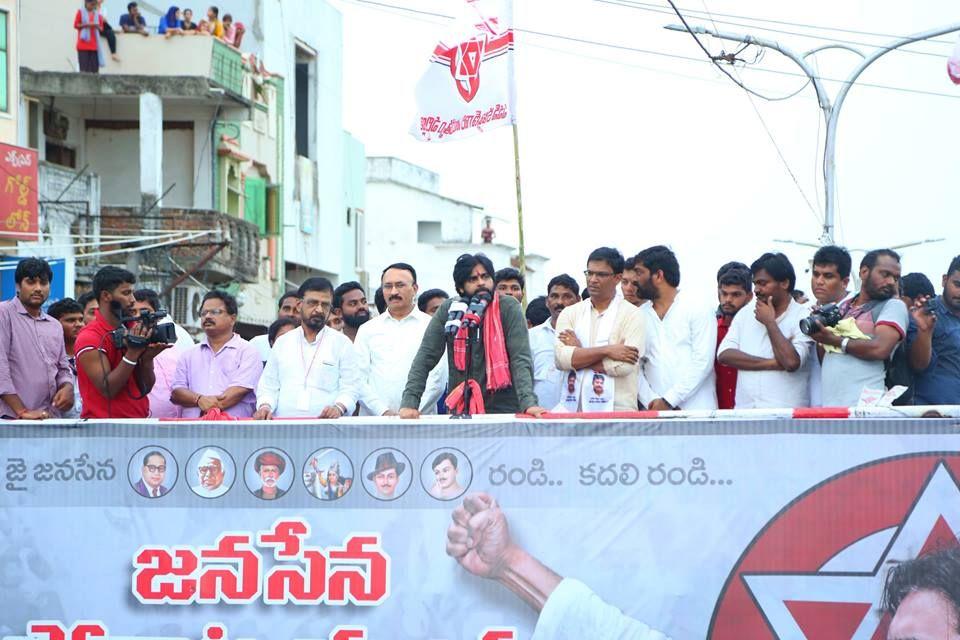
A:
<point x="843" y="344"/>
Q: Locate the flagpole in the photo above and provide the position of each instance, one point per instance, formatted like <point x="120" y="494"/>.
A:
<point x="516" y="162"/>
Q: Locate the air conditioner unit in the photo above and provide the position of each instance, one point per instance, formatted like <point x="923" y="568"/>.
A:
<point x="186" y="306"/>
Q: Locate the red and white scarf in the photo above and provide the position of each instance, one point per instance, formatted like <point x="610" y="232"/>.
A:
<point x="495" y="354"/>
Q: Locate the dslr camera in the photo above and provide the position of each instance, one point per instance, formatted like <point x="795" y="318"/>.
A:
<point x="826" y="316"/>
<point x="150" y="319"/>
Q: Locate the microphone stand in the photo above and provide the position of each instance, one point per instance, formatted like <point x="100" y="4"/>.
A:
<point x="471" y="338"/>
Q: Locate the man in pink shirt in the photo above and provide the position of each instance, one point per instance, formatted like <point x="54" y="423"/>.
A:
<point x="223" y="370"/>
<point x="35" y="377"/>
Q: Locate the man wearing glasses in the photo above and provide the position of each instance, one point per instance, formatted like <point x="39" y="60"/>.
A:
<point x="500" y="374"/>
<point x="223" y="370"/>
<point x="387" y="344"/>
<point x="312" y="371"/>
<point x="153" y="473"/>
<point x="601" y="338"/>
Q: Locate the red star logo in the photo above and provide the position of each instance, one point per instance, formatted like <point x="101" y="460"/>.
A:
<point x="840" y="601"/>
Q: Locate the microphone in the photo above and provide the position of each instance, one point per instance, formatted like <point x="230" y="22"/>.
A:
<point x="455" y="313"/>
<point x="478" y="306"/>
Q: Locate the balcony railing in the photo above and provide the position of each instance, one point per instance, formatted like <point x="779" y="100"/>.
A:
<point x="237" y="260"/>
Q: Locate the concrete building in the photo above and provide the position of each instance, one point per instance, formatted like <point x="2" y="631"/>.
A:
<point x="234" y="159"/>
<point x="9" y="66"/>
<point x="408" y="220"/>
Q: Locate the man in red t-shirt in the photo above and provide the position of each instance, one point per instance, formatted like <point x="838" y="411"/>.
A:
<point x="734" y="291"/>
<point x="114" y="382"/>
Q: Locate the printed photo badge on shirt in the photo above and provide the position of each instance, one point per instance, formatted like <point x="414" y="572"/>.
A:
<point x="589" y="390"/>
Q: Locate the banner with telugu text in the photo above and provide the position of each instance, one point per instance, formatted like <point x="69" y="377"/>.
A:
<point x="273" y="531"/>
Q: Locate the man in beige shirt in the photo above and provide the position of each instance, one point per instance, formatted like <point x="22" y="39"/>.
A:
<point x="603" y="333"/>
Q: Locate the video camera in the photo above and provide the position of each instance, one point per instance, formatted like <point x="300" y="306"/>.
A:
<point x="826" y="316"/>
<point x="165" y="333"/>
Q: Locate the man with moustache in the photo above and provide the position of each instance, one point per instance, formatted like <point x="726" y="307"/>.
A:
<point x="386" y="475"/>
<point x="312" y="371"/>
<point x="269" y="466"/>
<point x="430" y="300"/>
<point x="874" y="323"/>
<point x="36" y="381"/>
<point x="510" y="282"/>
<point x="677" y="369"/>
<point x="628" y="285"/>
<point x="387" y="345"/>
<point x="829" y="279"/>
<point x="115" y="381"/>
<point x="223" y="370"/>
<point x="562" y="292"/>
<point x="764" y="342"/>
<point x="350" y="303"/>
<point x="734" y="291"/>
<point x="501" y="373"/>
<point x="934" y="343"/>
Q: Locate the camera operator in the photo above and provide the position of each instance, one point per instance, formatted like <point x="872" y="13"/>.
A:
<point x="872" y="324"/>
<point x="114" y="381"/>
<point x="829" y="279"/>
<point x="934" y="343"/>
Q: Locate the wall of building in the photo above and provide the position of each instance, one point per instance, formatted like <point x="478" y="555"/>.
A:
<point x="399" y="197"/>
<point x="10" y="119"/>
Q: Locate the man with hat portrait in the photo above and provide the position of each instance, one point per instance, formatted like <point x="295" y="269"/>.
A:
<point x="269" y="466"/>
<point x="386" y="475"/>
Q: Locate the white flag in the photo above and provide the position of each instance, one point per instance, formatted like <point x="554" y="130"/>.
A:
<point x="468" y="87"/>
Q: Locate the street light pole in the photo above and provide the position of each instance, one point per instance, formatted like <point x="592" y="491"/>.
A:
<point x="831" y="110"/>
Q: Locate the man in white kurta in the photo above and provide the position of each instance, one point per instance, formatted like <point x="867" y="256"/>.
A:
<point x="312" y="371"/>
<point x="386" y="345"/>
<point x="677" y="371"/>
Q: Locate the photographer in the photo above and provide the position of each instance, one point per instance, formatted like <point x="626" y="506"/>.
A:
<point x="829" y="279"/>
<point x="934" y="343"/>
<point x="872" y="323"/>
<point x="114" y="381"/>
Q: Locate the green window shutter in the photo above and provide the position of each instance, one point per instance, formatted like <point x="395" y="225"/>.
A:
<point x="255" y="207"/>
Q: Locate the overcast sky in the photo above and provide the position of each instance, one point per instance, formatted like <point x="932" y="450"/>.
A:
<point x="628" y="149"/>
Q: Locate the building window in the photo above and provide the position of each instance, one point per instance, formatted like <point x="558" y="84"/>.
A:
<point x="33" y="124"/>
<point x="428" y="232"/>
<point x="4" y="64"/>
<point x="305" y="102"/>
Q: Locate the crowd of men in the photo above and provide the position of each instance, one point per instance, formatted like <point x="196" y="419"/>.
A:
<point x="632" y="339"/>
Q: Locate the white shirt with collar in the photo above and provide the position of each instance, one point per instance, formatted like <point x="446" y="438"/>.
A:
<point x="546" y="376"/>
<point x="770" y="389"/>
<point x="302" y="378"/>
<point x="678" y="365"/>
<point x="385" y="348"/>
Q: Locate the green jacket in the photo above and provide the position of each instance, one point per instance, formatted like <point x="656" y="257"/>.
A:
<point x="515" y="399"/>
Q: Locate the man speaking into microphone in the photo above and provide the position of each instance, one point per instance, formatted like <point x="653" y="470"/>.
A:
<point x="500" y="376"/>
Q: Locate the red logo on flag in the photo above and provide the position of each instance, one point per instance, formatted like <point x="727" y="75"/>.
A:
<point x="464" y="59"/>
<point x="465" y="66"/>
